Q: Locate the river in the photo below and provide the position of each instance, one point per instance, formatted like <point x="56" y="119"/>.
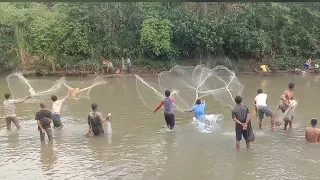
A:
<point x="140" y="148"/>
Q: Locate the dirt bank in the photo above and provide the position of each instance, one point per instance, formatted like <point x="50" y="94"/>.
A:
<point x="145" y="72"/>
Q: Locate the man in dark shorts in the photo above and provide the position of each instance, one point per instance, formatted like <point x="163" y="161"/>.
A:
<point x="43" y="118"/>
<point x="241" y="116"/>
<point x="168" y="109"/>
<point x="262" y="108"/>
<point x="95" y="121"/>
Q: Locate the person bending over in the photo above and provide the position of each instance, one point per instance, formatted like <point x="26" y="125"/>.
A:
<point x="43" y="118"/>
<point x="10" y="110"/>
<point x="199" y="111"/>
<point x="262" y="108"/>
<point x="312" y="134"/>
<point x="241" y="117"/>
<point x="168" y="109"/>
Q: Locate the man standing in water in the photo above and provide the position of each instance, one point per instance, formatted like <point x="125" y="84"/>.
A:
<point x="56" y="107"/>
<point x="43" y="118"/>
<point x="9" y="110"/>
<point x="312" y="134"/>
<point x="95" y="121"/>
<point x="168" y="109"/>
<point x="241" y="116"/>
<point x="262" y="109"/>
<point x="286" y="97"/>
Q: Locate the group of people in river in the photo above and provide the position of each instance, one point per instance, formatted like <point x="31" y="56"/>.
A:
<point x="241" y="115"/>
<point x="45" y="117"/>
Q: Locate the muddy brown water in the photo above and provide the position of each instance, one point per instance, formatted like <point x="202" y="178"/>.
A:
<point x="140" y="148"/>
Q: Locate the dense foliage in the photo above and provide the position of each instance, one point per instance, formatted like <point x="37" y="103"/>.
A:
<point x="55" y="35"/>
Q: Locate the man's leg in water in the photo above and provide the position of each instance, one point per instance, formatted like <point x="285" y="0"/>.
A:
<point x="8" y="122"/>
<point x="167" y="118"/>
<point x="16" y="122"/>
<point x="173" y="121"/>
<point x="286" y="124"/>
<point x="261" y="116"/>
<point x="42" y="135"/>
<point x="238" y="137"/>
<point x="246" y="138"/>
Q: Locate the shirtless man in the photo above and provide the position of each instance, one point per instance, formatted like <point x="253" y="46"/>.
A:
<point x="312" y="133"/>
<point x="285" y="98"/>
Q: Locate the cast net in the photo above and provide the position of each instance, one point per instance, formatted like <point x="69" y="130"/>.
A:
<point x="39" y="89"/>
<point x="83" y="92"/>
<point x="191" y="83"/>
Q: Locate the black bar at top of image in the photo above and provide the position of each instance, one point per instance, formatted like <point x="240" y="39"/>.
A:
<point x="51" y="1"/>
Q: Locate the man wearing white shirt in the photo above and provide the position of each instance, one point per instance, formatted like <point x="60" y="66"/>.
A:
<point x="262" y="108"/>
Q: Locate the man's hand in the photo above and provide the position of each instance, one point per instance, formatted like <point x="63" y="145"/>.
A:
<point x="43" y="131"/>
<point x="244" y="126"/>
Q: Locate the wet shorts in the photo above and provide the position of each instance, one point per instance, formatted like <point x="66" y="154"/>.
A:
<point x="240" y="132"/>
<point x="56" y="120"/>
<point x="264" y="110"/>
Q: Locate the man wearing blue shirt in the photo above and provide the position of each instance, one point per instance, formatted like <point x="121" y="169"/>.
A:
<point x="199" y="111"/>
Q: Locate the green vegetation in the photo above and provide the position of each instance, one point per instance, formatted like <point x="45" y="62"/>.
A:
<point x="59" y="35"/>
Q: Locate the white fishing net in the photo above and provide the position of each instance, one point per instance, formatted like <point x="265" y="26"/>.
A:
<point x="85" y="91"/>
<point x="191" y="83"/>
<point x="41" y="89"/>
<point x="287" y="115"/>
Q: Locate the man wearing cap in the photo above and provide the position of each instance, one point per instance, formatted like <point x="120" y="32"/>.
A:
<point x="312" y="133"/>
<point x="262" y="109"/>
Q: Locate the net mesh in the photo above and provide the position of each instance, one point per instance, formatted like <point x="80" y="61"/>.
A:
<point x="21" y="87"/>
<point x="191" y="83"/>
<point x="42" y="89"/>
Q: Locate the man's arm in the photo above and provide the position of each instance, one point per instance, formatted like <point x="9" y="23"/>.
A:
<point x="248" y="116"/>
<point x="40" y="126"/>
<point x="158" y="107"/>
<point x="306" y="136"/>
<point x="23" y="100"/>
<point x="67" y="96"/>
<point x="235" y="119"/>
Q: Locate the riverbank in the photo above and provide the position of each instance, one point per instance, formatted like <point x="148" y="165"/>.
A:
<point x="145" y="72"/>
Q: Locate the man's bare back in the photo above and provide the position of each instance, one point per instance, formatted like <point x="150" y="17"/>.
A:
<point x="312" y="135"/>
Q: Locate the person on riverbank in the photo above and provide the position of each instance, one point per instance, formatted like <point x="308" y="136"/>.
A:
<point x="286" y="97"/>
<point x="129" y="66"/>
<point x="307" y="65"/>
<point x="56" y="108"/>
<point x="199" y="112"/>
<point x="95" y="121"/>
<point x="241" y="117"/>
<point x="10" y="110"/>
<point x="261" y="107"/>
<point x="167" y="102"/>
<point x="43" y="118"/>
<point x="312" y="134"/>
